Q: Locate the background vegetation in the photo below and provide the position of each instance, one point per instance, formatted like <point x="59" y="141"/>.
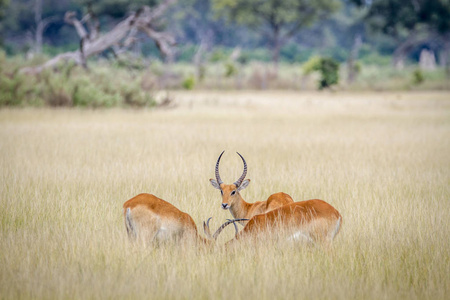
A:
<point x="375" y="45"/>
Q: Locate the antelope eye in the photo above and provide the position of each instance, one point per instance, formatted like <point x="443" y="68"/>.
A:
<point x="221" y="192"/>
<point x="233" y="192"/>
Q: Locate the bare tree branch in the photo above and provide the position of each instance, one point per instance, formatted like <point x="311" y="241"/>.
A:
<point x="122" y="34"/>
<point x="70" y="18"/>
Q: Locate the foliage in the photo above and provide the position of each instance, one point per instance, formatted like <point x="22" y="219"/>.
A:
<point x="3" y="5"/>
<point x="328" y="68"/>
<point x="110" y="85"/>
<point x="418" y="77"/>
<point x="292" y="14"/>
<point x="410" y="24"/>
<point x="282" y="18"/>
<point x="73" y="87"/>
<point x="189" y="82"/>
<point x="313" y="64"/>
<point x="11" y="89"/>
<point x="114" y="8"/>
<point x="230" y="69"/>
<point x="219" y="54"/>
<point x="393" y="17"/>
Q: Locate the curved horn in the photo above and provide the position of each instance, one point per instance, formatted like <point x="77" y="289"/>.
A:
<point x="206" y="228"/>
<point x="235" y="228"/>
<point x="219" y="181"/>
<point x="228" y="222"/>
<point x="239" y="181"/>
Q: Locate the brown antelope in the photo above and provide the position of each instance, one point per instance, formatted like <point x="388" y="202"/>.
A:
<point x="152" y="219"/>
<point x="311" y="221"/>
<point x="232" y="199"/>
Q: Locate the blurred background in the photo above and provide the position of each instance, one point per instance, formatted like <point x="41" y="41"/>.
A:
<point x="117" y="52"/>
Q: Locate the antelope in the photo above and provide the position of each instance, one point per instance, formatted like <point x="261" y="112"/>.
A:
<point x="311" y="221"/>
<point x="152" y="219"/>
<point x="233" y="201"/>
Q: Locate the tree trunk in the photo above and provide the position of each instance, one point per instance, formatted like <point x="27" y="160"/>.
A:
<point x="276" y="49"/>
<point x="444" y="55"/>
<point x="354" y="53"/>
<point x="415" y="38"/>
<point x="199" y="56"/>
<point x="427" y="60"/>
<point x="398" y="58"/>
<point x="39" y="26"/>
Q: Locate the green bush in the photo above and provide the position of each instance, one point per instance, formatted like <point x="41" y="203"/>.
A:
<point x="189" y="82"/>
<point x="134" y="95"/>
<point x="230" y="69"/>
<point x="328" y="68"/>
<point x="218" y="55"/>
<point x="418" y="77"/>
<point x="311" y="65"/>
<point x="70" y="85"/>
<point x="87" y="94"/>
<point x="12" y="89"/>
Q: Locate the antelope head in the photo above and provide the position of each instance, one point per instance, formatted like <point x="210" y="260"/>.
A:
<point x="230" y="192"/>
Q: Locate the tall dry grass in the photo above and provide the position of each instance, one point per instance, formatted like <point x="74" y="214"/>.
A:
<point x="381" y="159"/>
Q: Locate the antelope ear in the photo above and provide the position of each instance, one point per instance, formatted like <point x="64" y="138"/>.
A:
<point x="243" y="185"/>
<point x="214" y="184"/>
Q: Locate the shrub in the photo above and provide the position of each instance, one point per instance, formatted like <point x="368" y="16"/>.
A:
<point x="218" y="55"/>
<point x="189" y="82"/>
<point x="12" y="89"/>
<point x="418" y="77"/>
<point x="328" y="68"/>
<point x="133" y="95"/>
<point x="69" y="85"/>
<point x="311" y="65"/>
<point x="230" y="69"/>
<point x="87" y="94"/>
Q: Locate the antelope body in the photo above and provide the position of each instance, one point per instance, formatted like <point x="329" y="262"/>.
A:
<point x="311" y="221"/>
<point x="152" y="219"/>
<point x="232" y="200"/>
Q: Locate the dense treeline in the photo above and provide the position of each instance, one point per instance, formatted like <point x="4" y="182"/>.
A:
<point x="264" y="30"/>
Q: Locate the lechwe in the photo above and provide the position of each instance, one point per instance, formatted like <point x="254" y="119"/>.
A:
<point x="311" y="221"/>
<point x="151" y="219"/>
<point x="232" y="199"/>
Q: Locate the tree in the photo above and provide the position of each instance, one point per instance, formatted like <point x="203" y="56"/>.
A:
<point x="41" y="25"/>
<point x="411" y="23"/>
<point x="279" y="20"/>
<point x="30" y="23"/>
<point x="3" y="5"/>
<point x="123" y="34"/>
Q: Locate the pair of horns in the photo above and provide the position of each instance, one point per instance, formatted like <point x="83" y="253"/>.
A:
<point x="218" y="231"/>
<point x="238" y="182"/>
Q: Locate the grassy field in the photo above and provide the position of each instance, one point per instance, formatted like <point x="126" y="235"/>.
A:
<point x="382" y="159"/>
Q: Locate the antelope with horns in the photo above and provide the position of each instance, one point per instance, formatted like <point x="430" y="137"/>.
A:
<point x="232" y="199"/>
<point x="310" y="221"/>
<point x="151" y="219"/>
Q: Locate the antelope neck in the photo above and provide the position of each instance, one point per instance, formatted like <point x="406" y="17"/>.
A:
<point x="240" y="208"/>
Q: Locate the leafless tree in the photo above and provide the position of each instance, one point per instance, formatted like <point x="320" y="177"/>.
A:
<point x="123" y="35"/>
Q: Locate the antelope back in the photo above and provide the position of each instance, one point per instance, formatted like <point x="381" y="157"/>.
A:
<point x="153" y="219"/>
<point x="315" y="219"/>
